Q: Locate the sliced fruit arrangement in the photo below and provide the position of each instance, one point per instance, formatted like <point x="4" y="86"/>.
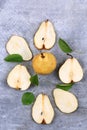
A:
<point x="42" y="110"/>
<point x="65" y="101"/>
<point x="18" y="45"/>
<point x="45" y="36"/>
<point x="44" y="63"/>
<point x="19" y="77"/>
<point x="70" y="71"/>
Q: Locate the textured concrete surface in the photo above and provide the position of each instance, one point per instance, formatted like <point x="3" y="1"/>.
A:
<point x="22" y="17"/>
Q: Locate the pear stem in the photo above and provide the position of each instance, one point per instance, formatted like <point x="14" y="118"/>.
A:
<point x="47" y="20"/>
<point x="42" y="55"/>
<point x="70" y="55"/>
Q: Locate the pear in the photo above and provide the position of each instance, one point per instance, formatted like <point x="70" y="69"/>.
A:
<point x="71" y="71"/>
<point x="65" y="101"/>
<point x="45" y="36"/>
<point x="18" y="45"/>
<point x="42" y="110"/>
<point x="44" y="63"/>
<point x="19" y="78"/>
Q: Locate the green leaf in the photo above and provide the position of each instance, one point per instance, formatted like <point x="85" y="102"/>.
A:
<point x="34" y="80"/>
<point x="14" y="58"/>
<point x="65" y="87"/>
<point x="28" y="98"/>
<point x="64" y="46"/>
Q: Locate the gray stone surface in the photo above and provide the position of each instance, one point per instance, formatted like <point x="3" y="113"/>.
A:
<point x="22" y="17"/>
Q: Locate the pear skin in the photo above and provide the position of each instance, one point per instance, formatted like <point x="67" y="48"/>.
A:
<point x="44" y="63"/>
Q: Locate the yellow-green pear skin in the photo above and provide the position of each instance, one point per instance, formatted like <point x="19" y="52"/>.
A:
<point x="44" y="63"/>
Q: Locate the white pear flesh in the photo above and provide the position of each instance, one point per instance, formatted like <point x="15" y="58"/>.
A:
<point x="18" y="45"/>
<point x="65" y="101"/>
<point x="19" y="78"/>
<point x="71" y="71"/>
<point x="45" y="36"/>
<point x="42" y="110"/>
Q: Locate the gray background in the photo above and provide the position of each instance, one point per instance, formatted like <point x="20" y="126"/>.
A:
<point x="22" y="17"/>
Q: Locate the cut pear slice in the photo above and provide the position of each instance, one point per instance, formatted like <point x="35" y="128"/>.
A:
<point x="71" y="71"/>
<point x="65" y="101"/>
<point x="18" y="45"/>
<point x="45" y="36"/>
<point x="42" y="110"/>
<point x="19" y="78"/>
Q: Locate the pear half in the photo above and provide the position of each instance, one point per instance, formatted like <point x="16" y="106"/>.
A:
<point x="45" y="36"/>
<point x="44" y="63"/>
<point x="65" y="101"/>
<point x="19" y="78"/>
<point x="18" y="45"/>
<point x="71" y="71"/>
<point x="42" y="110"/>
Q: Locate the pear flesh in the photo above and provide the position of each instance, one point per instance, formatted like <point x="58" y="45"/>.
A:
<point x="18" y="45"/>
<point x="18" y="78"/>
<point x="42" y="110"/>
<point x="65" y="101"/>
<point x="45" y="36"/>
<point x="71" y="71"/>
<point x="44" y="63"/>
